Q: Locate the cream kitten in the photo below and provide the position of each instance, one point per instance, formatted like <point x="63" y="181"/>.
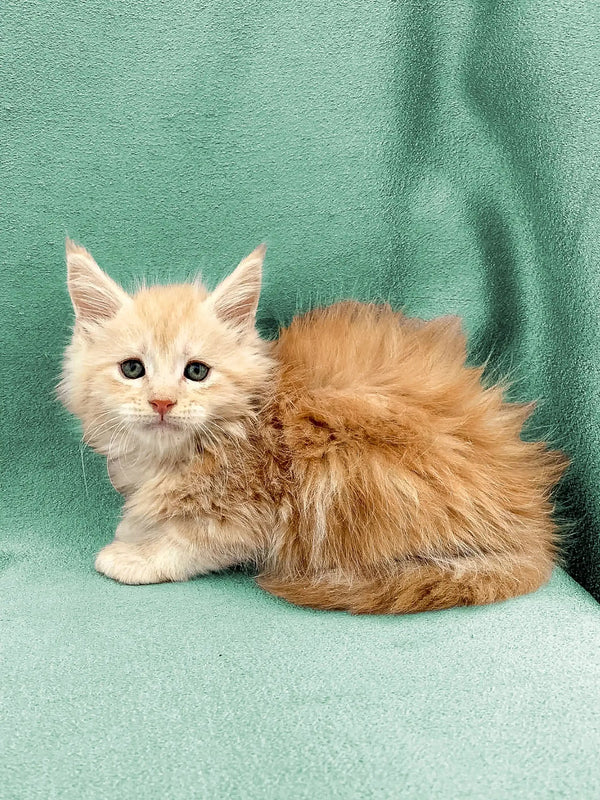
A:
<point x="357" y="461"/>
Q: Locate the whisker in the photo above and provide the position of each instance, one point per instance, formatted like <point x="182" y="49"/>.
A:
<point x="85" y="484"/>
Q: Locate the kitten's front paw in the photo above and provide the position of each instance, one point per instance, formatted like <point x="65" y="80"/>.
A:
<point x="125" y="563"/>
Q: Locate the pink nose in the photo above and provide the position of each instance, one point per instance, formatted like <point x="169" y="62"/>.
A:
<point x="162" y="406"/>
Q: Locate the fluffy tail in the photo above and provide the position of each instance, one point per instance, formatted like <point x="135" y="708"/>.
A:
<point x="416" y="585"/>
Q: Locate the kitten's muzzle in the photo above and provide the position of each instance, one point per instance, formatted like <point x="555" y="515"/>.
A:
<point x="162" y="407"/>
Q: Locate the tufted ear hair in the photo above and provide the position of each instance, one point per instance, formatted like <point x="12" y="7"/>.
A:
<point x="94" y="295"/>
<point x="235" y="299"/>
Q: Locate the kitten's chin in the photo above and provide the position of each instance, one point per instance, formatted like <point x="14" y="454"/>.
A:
<point x="162" y="429"/>
<point x="162" y="425"/>
<point x="162" y="435"/>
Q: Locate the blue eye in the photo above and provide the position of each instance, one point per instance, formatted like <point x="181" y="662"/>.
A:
<point x="132" y="368"/>
<point x="196" y="371"/>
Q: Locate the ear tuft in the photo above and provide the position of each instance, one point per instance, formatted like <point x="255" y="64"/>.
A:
<point x="235" y="299"/>
<point x="94" y="295"/>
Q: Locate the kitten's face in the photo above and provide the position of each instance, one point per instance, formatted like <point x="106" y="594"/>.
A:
<point x="166" y="365"/>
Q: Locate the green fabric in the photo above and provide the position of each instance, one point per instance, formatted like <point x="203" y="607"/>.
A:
<point x="213" y="689"/>
<point x="443" y="155"/>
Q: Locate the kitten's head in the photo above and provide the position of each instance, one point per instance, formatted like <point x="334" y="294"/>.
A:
<point x="167" y="365"/>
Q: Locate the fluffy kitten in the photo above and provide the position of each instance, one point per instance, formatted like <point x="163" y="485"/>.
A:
<point x="357" y="461"/>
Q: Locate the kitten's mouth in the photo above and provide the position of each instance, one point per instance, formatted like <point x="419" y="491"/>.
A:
<point x="162" y="424"/>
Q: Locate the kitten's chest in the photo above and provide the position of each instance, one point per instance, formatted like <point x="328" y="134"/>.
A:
<point x="202" y="486"/>
<point x="129" y="473"/>
<point x="208" y="487"/>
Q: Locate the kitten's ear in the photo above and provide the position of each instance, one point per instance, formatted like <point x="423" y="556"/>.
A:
<point x="235" y="299"/>
<point x="94" y="295"/>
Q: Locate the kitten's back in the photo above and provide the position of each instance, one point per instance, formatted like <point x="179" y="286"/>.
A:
<point x="365" y="372"/>
<point x="399" y="455"/>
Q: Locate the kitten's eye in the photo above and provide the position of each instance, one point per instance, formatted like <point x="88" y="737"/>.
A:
<point x="196" y="371"/>
<point x="132" y="368"/>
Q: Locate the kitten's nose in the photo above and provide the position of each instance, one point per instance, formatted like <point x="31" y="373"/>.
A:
<point x="162" y="406"/>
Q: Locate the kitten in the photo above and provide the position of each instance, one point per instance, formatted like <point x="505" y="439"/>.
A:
<point x="356" y="461"/>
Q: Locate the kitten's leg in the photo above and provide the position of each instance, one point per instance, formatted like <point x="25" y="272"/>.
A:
<point x="157" y="552"/>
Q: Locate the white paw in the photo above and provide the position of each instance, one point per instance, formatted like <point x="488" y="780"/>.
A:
<point x="126" y="563"/>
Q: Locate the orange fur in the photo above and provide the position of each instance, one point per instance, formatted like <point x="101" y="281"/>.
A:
<point x="357" y="461"/>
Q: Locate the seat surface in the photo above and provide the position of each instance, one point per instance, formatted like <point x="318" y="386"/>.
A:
<point x="214" y="689"/>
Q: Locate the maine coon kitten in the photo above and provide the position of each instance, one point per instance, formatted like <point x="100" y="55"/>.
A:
<point x="356" y="461"/>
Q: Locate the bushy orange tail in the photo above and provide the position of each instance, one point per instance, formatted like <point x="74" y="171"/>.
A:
<point x="416" y="586"/>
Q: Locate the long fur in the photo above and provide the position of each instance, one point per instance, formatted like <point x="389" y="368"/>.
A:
<point x="357" y="461"/>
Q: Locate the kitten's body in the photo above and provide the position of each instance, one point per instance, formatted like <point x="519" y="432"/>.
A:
<point x="357" y="461"/>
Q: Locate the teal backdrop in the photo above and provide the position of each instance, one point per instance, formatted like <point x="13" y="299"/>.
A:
<point x="440" y="154"/>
